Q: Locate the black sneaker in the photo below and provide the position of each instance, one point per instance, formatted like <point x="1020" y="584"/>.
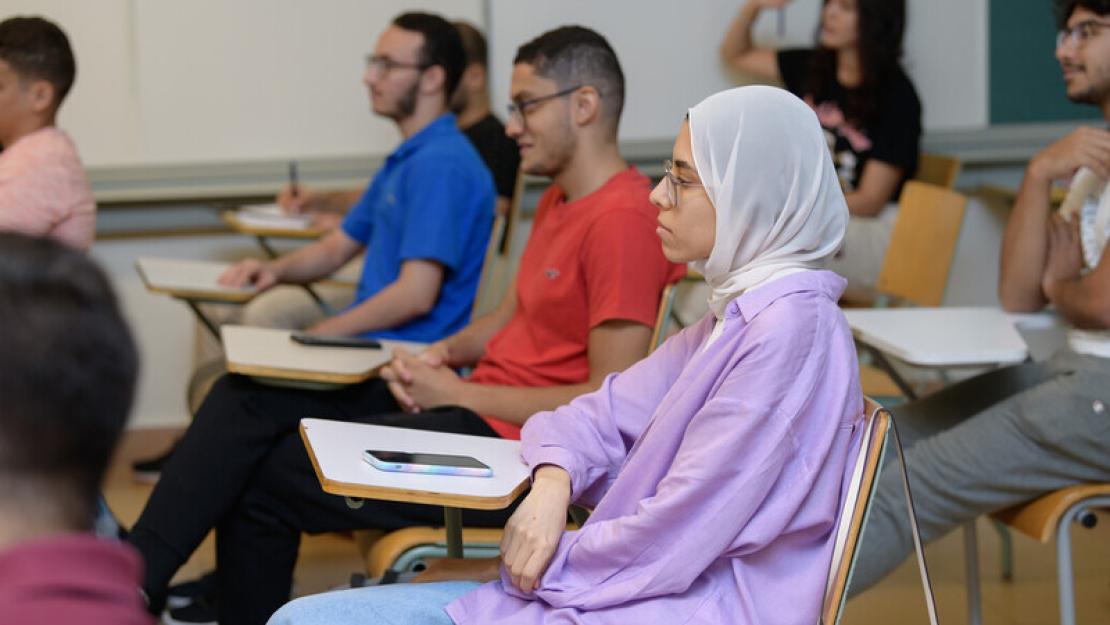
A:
<point x="188" y="593"/>
<point x="150" y="470"/>
<point x="203" y="610"/>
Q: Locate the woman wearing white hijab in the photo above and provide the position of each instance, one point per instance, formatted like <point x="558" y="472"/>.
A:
<point x="715" y="466"/>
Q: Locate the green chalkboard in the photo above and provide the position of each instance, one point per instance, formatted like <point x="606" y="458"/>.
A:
<point x="1025" y="81"/>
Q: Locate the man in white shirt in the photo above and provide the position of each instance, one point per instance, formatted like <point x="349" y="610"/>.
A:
<point x="1014" y="434"/>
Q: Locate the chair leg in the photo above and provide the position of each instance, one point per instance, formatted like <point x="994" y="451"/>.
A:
<point x="1064" y="582"/>
<point x="971" y="562"/>
<point x="1006" y="545"/>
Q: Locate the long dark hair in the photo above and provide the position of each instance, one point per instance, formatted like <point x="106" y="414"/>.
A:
<point x="881" y="26"/>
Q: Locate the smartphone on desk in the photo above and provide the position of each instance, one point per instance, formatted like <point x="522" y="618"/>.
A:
<point x="435" y="464"/>
<point x="334" y="341"/>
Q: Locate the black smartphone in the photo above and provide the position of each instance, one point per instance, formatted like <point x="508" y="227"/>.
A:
<point x="435" y="464"/>
<point x="334" y="341"/>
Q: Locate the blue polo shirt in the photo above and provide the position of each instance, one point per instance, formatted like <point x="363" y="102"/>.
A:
<point x="431" y="200"/>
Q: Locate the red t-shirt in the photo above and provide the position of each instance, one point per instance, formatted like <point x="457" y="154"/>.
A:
<point x="589" y="261"/>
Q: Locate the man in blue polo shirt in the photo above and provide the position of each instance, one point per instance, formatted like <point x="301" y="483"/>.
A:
<point x="425" y="220"/>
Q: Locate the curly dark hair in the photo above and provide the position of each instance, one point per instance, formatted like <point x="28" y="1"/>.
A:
<point x="881" y="27"/>
<point x="1064" y="8"/>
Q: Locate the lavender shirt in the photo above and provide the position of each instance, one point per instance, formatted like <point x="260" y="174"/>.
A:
<point x="716" y="474"/>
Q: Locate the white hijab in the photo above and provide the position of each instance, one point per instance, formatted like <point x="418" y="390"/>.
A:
<point x="762" y="157"/>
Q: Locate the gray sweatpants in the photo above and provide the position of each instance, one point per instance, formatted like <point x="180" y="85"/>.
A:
<point x="985" y="444"/>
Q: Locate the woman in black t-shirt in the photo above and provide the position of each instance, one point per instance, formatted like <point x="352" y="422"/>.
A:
<point x="864" y="101"/>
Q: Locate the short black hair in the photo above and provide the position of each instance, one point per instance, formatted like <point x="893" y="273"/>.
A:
<point x="572" y="55"/>
<point x="474" y="42"/>
<point x="1064" y="8"/>
<point x="442" y="46"/>
<point x="38" y="50"/>
<point x="67" y="372"/>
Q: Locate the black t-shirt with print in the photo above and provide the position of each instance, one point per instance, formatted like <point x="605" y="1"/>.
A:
<point x="499" y="152"/>
<point x="894" y="137"/>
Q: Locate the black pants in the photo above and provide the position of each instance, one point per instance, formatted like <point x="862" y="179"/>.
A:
<point x="242" y="468"/>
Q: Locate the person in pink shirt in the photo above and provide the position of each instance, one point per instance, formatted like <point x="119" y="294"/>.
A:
<point x="43" y="188"/>
<point x="716" y="466"/>
<point x="67" y="377"/>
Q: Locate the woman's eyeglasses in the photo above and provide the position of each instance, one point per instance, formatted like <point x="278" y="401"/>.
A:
<point x="674" y="182"/>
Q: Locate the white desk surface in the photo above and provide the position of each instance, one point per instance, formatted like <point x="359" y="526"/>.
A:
<point x="269" y="220"/>
<point x="190" y="279"/>
<point x="941" y="337"/>
<point x="336" y="447"/>
<point x="271" y="353"/>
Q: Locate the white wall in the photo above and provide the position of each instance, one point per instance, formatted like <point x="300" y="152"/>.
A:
<point x="165" y="81"/>
<point x="164" y="328"/>
<point x="669" y="52"/>
<point x="947" y="56"/>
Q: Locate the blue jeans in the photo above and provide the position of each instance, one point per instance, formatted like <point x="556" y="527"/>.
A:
<point x="393" y="604"/>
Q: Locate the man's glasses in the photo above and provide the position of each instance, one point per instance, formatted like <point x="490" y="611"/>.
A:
<point x="384" y="64"/>
<point x="519" y="108"/>
<point x="1080" y="33"/>
<point x="674" y="182"/>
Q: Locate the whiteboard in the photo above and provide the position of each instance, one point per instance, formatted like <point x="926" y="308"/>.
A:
<point x="669" y="52"/>
<point x="171" y="82"/>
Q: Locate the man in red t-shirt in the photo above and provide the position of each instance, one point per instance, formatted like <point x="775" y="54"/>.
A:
<point x="583" y="306"/>
<point x="590" y="277"/>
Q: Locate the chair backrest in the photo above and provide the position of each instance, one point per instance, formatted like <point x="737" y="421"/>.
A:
<point x="484" y="295"/>
<point x="663" y="316"/>
<point x="512" y="219"/>
<point x="496" y="269"/>
<point x="938" y="169"/>
<point x="853" y="511"/>
<point x="922" y="244"/>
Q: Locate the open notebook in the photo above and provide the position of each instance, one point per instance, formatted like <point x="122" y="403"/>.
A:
<point x="271" y="216"/>
<point x="190" y="279"/>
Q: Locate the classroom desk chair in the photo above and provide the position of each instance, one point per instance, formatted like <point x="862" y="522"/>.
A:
<point x="402" y="550"/>
<point x="1041" y="519"/>
<point x="922" y="244"/>
<point x="497" y="272"/>
<point x="938" y="169"/>
<point x="852" y="522"/>
<point x="917" y="261"/>
<point x="405" y="549"/>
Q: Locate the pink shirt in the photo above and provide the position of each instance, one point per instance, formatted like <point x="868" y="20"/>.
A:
<point x="43" y="189"/>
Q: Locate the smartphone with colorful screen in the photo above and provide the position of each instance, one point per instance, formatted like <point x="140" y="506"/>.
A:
<point x="434" y="464"/>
